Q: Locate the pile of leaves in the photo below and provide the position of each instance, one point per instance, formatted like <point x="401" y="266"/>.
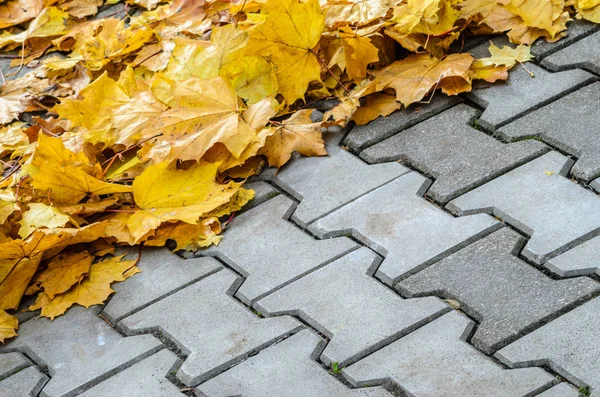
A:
<point x="141" y="127"/>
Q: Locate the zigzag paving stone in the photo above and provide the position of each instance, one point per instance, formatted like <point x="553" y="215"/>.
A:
<point x="583" y="54"/>
<point x="381" y="128"/>
<point x="262" y="192"/>
<point x="504" y="102"/>
<point x="569" y="345"/>
<point x="436" y="361"/>
<point x="79" y="349"/>
<point x="596" y="185"/>
<point x="355" y="311"/>
<point x="397" y="222"/>
<point x="560" y="390"/>
<point x="216" y="334"/>
<point x="581" y="260"/>
<point x="27" y="382"/>
<point x="285" y="369"/>
<point x="11" y="363"/>
<point x="162" y="272"/>
<point x="323" y="184"/>
<point x="270" y="251"/>
<point x="576" y="134"/>
<point x="537" y="199"/>
<point x="457" y="156"/>
<point x="144" y="379"/>
<point x="505" y="294"/>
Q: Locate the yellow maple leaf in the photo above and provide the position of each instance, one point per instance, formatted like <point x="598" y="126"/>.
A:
<point x="41" y="215"/>
<point x="253" y="78"/>
<point x="287" y="37"/>
<point x="165" y="193"/>
<point x="416" y="75"/>
<point x="588" y="9"/>
<point x="63" y="271"/>
<point x="378" y="104"/>
<point x="188" y="237"/>
<point x="93" y="290"/>
<point x="202" y="113"/>
<point x="296" y="134"/>
<point x="18" y="11"/>
<point x="17" y="266"/>
<point x="8" y="326"/>
<point x="354" y="54"/>
<point x="50" y="22"/>
<point x="505" y="56"/>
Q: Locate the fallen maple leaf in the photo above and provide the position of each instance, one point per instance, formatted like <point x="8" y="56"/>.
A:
<point x="92" y="291"/>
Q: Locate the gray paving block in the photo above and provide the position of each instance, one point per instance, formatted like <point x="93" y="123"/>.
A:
<point x="596" y="185"/>
<point x="363" y="136"/>
<point x="323" y="184"/>
<point x="568" y="124"/>
<point x="285" y="369"/>
<point x="539" y="200"/>
<point x="580" y="260"/>
<point x="583" y="54"/>
<point x="263" y="191"/>
<point x="569" y="345"/>
<point x="395" y="221"/>
<point x="162" y="273"/>
<point x="561" y="390"/>
<point x="436" y="361"/>
<point x="27" y="382"/>
<point x="521" y="93"/>
<point x="144" y="379"/>
<point x="209" y="326"/>
<point x="456" y="155"/>
<point x="353" y="309"/>
<point x="271" y="251"/>
<point x="79" y="349"/>
<point x="11" y="363"/>
<point x="505" y="294"/>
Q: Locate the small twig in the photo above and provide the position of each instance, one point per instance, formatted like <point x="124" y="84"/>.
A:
<point x="2" y="75"/>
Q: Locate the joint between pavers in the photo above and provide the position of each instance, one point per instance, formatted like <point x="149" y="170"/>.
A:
<point x="590" y="80"/>
<point x="196" y="381"/>
<point x="114" y="321"/>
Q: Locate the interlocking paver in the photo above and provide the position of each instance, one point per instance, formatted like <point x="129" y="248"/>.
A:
<point x="79" y="349"/>
<point x="285" y="369"/>
<point x="581" y="260"/>
<point x="569" y="345"/>
<point x="561" y="390"/>
<point x="395" y="220"/>
<point x="583" y="54"/>
<point x="27" y="382"/>
<point x="11" y="363"/>
<point x="436" y="361"/>
<point x="381" y="128"/>
<point x="323" y="184"/>
<point x="270" y="251"/>
<point x="144" y="379"/>
<point x="506" y="295"/>
<point x="162" y="273"/>
<point x="596" y="185"/>
<point x="504" y="102"/>
<point x="263" y="191"/>
<point x="217" y="333"/>
<point x="576" y="134"/>
<point x="540" y="201"/>
<point x="350" y="307"/>
<point x="18" y="377"/>
<point x="458" y="156"/>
